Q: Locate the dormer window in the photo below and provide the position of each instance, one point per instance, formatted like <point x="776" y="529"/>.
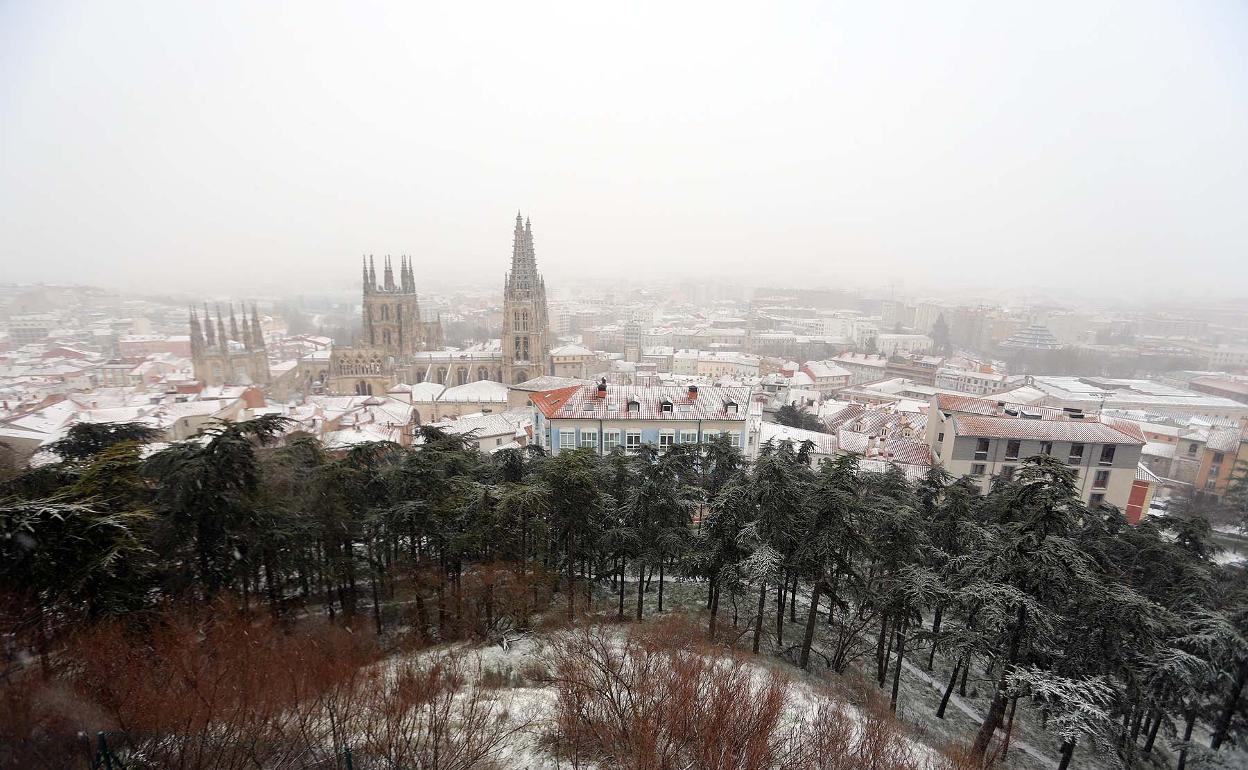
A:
<point x="666" y="405"/>
<point x="634" y="406"/>
<point x="730" y="407"/>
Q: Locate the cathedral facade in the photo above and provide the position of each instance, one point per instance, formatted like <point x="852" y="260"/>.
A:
<point x="398" y="345"/>
<point x="391" y="316"/>
<point x="233" y="355"/>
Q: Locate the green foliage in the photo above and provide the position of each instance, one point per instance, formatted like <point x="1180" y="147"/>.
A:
<point x="795" y="417"/>
<point x="1095" y="621"/>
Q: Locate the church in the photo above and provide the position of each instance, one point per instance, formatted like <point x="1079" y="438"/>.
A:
<point x="398" y="345"/>
<point x="232" y="355"/>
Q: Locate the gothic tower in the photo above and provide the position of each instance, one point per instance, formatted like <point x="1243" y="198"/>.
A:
<point x="236" y="358"/>
<point x="525" y="341"/>
<point x="391" y="321"/>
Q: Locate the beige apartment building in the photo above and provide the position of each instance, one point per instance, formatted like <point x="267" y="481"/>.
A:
<point x="982" y="439"/>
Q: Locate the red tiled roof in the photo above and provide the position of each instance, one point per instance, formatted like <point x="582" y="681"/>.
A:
<point x="582" y="403"/>
<point x="947" y="402"/>
<point x="950" y="403"/>
<point x="549" y="401"/>
<point x="1079" y="431"/>
<point x="907" y="451"/>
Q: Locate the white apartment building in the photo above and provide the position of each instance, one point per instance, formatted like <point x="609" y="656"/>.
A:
<point x="968" y="381"/>
<point x="902" y="344"/>
<point x="605" y="417"/>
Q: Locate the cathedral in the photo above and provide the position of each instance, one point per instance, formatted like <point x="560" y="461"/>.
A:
<point x="525" y="344"/>
<point x="397" y="345"/>
<point x="233" y="356"/>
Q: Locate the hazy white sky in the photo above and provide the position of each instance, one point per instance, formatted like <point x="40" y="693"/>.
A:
<point x="236" y="145"/>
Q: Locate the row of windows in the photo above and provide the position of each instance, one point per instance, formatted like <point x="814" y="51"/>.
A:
<point x="1099" y="481"/>
<point x="1014" y="446"/>
<point x="632" y="439"/>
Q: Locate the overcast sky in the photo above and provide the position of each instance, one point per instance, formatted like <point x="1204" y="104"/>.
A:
<point x="244" y="145"/>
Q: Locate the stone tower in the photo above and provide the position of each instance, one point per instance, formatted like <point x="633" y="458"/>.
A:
<point x="525" y="337"/>
<point x="234" y="358"/>
<point x="391" y="321"/>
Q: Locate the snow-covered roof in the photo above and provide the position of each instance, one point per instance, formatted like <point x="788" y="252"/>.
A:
<point x="481" y="390"/>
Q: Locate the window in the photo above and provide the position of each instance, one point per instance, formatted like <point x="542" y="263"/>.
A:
<point x="1012" y="448"/>
<point x="1076" y="454"/>
<point x="634" y="406"/>
<point x="1191" y="449"/>
<point x="610" y="440"/>
<point x="1007" y="472"/>
<point x="1107" y="454"/>
<point x="1046" y="448"/>
<point x="978" y="469"/>
<point x="666" y="440"/>
<point x="1100" y="480"/>
<point x="734" y="439"/>
<point x="567" y="439"/>
<point x="730" y="407"/>
<point x="667" y="405"/>
<point x="632" y="441"/>
<point x="688" y="437"/>
<point x="1217" y="458"/>
<point x="1096" y="499"/>
<point x="981" y="449"/>
<point x="589" y="439"/>
<point x="940" y="436"/>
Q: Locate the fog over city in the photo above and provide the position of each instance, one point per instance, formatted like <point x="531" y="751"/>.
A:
<point x="636" y="385"/>
<point x="1067" y="150"/>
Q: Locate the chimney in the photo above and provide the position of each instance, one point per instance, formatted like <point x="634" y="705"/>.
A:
<point x="601" y="390"/>
<point x="693" y="391"/>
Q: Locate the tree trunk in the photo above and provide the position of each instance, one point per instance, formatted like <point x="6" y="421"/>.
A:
<point x="1187" y="738"/>
<point x="270" y="585"/>
<point x="1068" y="750"/>
<point x="780" y="592"/>
<point x="1153" y="726"/>
<point x="997" y="710"/>
<point x="931" y="656"/>
<point x="714" y="611"/>
<point x="571" y="577"/>
<point x="1232" y="703"/>
<point x="966" y="669"/>
<point x="641" y="586"/>
<point x="758" y="620"/>
<point x="793" y="601"/>
<point x="901" y="651"/>
<point x="812" y="617"/>
<point x="661" y="560"/>
<point x="1009" y="728"/>
<point x="879" y="649"/>
<point x="372" y="579"/>
<point x="623" y="566"/>
<point x="944" y="699"/>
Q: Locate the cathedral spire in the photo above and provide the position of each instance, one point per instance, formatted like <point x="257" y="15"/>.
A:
<point x="372" y="273"/>
<point x="221" y="338"/>
<point x="389" y="275"/>
<point x="210" y="334"/>
<point x="197" y="334"/>
<point x="257" y="335"/>
<point x="364" y="268"/>
<point x="234" y="325"/>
